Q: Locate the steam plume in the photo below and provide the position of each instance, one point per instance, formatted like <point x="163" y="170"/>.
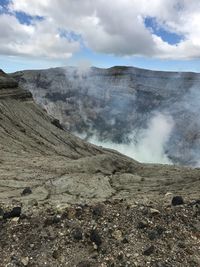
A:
<point x="149" y="145"/>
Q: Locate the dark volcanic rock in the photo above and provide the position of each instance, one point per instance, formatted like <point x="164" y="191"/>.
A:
<point x="142" y="225"/>
<point x="15" y="212"/>
<point x="177" y="200"/>
<point x="97" y="211"/>
<point x="149" y="250"/>
<point x="57" y="124"/>
<point x="156" y="233"/>
<point x="77" y="234"/>
<point x="26" y="191"/>
<point x="95" y="237"/>
<point x="1" y="212"/>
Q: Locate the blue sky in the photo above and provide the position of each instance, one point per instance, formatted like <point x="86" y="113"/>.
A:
<point x="33" y="35"/>
<point x="169" y="37"/>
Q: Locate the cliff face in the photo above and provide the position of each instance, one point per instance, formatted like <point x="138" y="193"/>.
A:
<point x="60" y="168"/>
<point x="9" y="88"/>
<point x="119" y="104"/>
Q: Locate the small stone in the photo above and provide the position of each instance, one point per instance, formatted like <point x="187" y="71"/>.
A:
<point x="77" y="234"/>
<point x="15" y="220"/>
<point x="177" y="200"/>
<point x="57" y="123"/>
<point x="120" y="256"/>
<point x="97" y="211"/>
<point x="26" y="191"/>
<point x="56" y="219"/>
<point x="168" y="194"/>
<point x="160" y="229"/>
<point x="52" y="220"/>
<point x="94" y="255"/>
<point x="154" y="211"/>
<point x="148" y="251"/>
<point x="142" y="225"/>
<point x="117" y="234"/>
<point x="33" y="202"/>
<point x="71" y="213"/>
<point x="60" y="208"/>
<point x="25" y="261"/>
<point x="196" y="207"/>
<point x="181" y="245"/>
<point x="15" y="212"/>
<point x="79" y="212"/>
<point x="153" y="235"/>
<point x="95" y="246"/>
<point x="95" y="237"/>
<point x="55" y="254"/>
<point x="125" y="240"/>
<point x="1" y="212"/>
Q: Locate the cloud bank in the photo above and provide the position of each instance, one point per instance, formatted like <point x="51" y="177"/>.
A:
<point x="117" y="28"/>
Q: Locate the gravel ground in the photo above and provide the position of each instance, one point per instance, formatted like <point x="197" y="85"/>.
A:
<point x="110" y="233"/>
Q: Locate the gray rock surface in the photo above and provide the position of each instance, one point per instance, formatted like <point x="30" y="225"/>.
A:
<point x="60" y="168"/>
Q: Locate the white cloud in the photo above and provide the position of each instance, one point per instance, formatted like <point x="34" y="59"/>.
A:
<point x="110" y="27"/>
<point x="38" y="40"/>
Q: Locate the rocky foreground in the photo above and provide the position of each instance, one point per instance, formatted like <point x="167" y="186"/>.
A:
<point x="111" y="233"/>
<point x="65" y="202"/>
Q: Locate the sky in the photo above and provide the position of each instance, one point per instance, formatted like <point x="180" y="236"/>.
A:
<point x="150" y="34"/>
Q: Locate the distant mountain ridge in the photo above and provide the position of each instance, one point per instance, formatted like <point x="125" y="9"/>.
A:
<point x="119" y="104"/>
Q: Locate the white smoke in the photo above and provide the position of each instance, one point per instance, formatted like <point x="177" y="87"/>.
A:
<point x="84" y="66"/>
<point x="149" y="145"/>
